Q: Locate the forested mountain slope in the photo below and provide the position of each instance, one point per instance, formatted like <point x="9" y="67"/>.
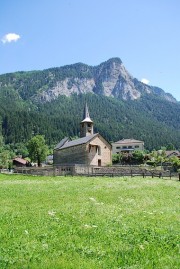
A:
<point x="51" y="102"/>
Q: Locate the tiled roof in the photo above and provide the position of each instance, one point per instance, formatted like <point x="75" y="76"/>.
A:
<point x="76" y="142"/>
<point x="20" y="160"/>
<point x="127" y="141"/>
<point x="61" y="143"/>
<point x="172" y="152"/>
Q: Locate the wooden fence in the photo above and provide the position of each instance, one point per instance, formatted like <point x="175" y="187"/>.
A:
<point x="112" y="171"/>
<point x="132" y="172"/>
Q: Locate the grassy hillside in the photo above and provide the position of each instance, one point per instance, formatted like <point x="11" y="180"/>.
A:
<point x="78" y="222"/>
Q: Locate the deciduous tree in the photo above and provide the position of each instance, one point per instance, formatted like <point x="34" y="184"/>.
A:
<point x="38" y="149"/>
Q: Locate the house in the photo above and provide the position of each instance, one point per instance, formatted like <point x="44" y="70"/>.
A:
<point x="49" y="159"/>
<point x="91" y="149"/>
<point x="19" y="162"/>
<point x="127" y="145"/>
<point x="171" y="153"/>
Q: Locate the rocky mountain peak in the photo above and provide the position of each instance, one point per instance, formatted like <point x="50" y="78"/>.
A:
<point x="109" y="78"/>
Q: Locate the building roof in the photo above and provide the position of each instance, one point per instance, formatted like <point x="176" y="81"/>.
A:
<point x="128" y="141"/>
<point x="20" y="160"/>
<point x="49" y="158"/>
<point x="61" y="143"/>
<point x="87" y="119"/>
<point x="172" y="153"/>
<point x="86" y="115"/>
<point x="75" y="142"/>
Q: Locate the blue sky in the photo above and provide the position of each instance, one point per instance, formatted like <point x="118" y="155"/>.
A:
<point x="145" y="34"/>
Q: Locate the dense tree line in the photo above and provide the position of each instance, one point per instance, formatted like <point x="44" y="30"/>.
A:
<point x="157" y="125"/>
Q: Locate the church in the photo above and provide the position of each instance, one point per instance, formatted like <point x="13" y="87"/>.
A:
<point x="91" y="149"/>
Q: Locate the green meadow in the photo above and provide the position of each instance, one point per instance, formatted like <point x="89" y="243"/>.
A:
<point x="80" y="222"/>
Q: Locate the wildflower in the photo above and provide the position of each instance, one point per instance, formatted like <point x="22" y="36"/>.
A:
<point x="92" y="199"/>
<point x="87" y="226"/>
<point x="45" y="246"/>
<point x="51" y="213"/>
<point x="100" y="203"/>
<point x="141" y="247"/>
<point x="90" y="226"/>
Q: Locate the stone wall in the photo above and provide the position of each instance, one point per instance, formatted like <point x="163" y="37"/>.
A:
<point x="78" y="169"/>
<point x="71" y="155"/>
<point x="38" y="171"/>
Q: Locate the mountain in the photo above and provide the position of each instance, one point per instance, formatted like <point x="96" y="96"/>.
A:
<point x="51" y="101"/>
<point x="109" y="79"/>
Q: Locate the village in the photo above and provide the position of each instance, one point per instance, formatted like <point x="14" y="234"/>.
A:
<point x="89" y="134"/>
<point x="91" y="154"/>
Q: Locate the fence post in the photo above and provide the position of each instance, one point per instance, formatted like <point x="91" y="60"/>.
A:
<point x="179" y="176"/>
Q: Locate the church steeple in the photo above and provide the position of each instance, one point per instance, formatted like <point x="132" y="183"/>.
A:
<point x="86" y="112"/>
<point x="86" y="125"/>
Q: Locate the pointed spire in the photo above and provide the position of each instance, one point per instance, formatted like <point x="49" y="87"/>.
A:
<point x="86" y="124"/>
<point x="86" y="114"/>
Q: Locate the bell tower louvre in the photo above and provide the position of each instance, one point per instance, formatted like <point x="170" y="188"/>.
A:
<point x="86" y="125"/>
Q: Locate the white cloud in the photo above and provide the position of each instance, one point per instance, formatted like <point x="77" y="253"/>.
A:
<point x="145" y="81"/>
<point x="8" y="38"/>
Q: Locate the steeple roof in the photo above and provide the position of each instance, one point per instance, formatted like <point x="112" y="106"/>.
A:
<point x="86" y="115"/>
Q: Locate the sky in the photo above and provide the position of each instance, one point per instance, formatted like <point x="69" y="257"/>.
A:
<point x="144" y="34"/>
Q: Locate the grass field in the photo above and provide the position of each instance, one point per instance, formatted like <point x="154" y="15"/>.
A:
<point x="79" y="222"/>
